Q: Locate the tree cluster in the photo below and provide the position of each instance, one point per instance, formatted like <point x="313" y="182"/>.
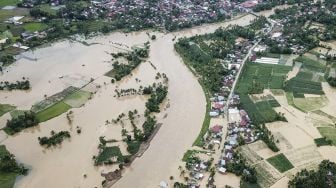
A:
<point x="54" y="139"/>
<point x="323" y="177"/>
<point x="22" y="85"/>
<point x="22" y="121"/>
<point x="8" y="163"/>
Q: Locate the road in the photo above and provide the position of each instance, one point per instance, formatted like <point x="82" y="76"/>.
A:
<point x="242" y="66"/>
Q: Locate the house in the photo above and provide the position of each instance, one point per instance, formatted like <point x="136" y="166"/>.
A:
<point x="213" y="114"/>
<point x="216" y="129"/>
<point x="222" y="170"/>
<point x="15" y="20"/>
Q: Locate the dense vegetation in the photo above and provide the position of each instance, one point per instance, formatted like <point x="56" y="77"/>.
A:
<point x="240" y="168"/>
<point x="109" y="154"/>
<point x="156" y="98"/>
<point x="332" y="81"/>
<point x="9" y="168"/>
<point x="322" y="142"/>
<point x="323" y="177"/>
<point x="54" y="139"/>
<point x="22" y="121"/>
<point x="203" y="57"/>
<point x="268" y="5"/>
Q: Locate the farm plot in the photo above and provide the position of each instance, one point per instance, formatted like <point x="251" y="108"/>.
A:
<point x="308" y="104"/>
<point x="304" y="156"/>
<point x="257" y="77"/>
<point x="52" y="111"/>
<point x="267" y="175"/>
<point x="321" y="113"/>
<point x="283" y="144"/>
<point x="329" y="133"/>
<point x="61" y="102"/>
<point x="77" y="99"/>
<point x="4" y="108"/>
<point x="261" y="149"/>
<point x="298" y="85"/>
<point x="310" y="64"/>
<point x="280" y="162"/>
<point x="249" y="154"/>
<point x="260" y="112"/>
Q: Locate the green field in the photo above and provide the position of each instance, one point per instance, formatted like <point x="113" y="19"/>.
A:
<point x="4" y="108"/>
<point x="308" y="104"/>
<point x="16" y="113"/>
<point x="7" y="180"/>
<point x="298" y="85"/>
<point x="53" y="111"/>
<point x="280" y="162"/>
<point x="34" y="27"/>
<point x="262" y="111"/>
<point x="77" y="99"/>
<point x="322" y="142"/>
<point x="8" y="2"/>
<point x="107" y="153"/>
<point x="310" y="64"/>
<point x="329" y="133"/>
<point x="320" y="112"/>
<point x="256" y="77"/>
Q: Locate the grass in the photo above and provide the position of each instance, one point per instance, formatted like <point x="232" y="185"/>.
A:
<point x="4" y="108"/>
<point x="16" y="113"/>
<point x="310" y="103"/>
<point x="322" y="142"/>
<point x="190" y="153"/>
<point x="206" y="121"/>
<point x="52" y="111"/>
<point x="280" y="162"/>
<point x="5" y="14"/>
<point x="290" y="98"/>
<point x="47" y="8"/>
<point x="329" y="133"/>
<point x="7" y="180"/>
<point x="244" y="184"/>
<point x="8" y="2"/>
<point x="260" y="112"/>
<point x="34" y="26"/>
<point x="321" y="113"/>
<point x="107" y="153"/>
<point x="77" y="98"/>
<point x="277" y="92"/>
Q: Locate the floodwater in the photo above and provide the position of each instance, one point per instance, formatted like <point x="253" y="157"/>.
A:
<point x="64" y="64"/>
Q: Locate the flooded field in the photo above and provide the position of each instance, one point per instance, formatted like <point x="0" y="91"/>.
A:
<point x="52" y="69"/>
